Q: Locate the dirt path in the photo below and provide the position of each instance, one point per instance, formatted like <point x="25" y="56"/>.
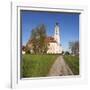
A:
<point x="60" y="68"/>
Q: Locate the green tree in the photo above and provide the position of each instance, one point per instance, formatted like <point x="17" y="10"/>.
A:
<point x="38" y="36"/>
<point x="27" y="50"/>
<point x="74" y="47"/>
<point x="67" y="53"/>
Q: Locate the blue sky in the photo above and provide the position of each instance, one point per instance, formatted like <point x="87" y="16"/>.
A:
<point x="68" y="23"/>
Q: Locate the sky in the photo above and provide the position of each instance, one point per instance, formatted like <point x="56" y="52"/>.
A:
<point x="68" y="23"/>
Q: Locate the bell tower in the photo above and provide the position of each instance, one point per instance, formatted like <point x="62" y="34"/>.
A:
<point x="57" y="33"/>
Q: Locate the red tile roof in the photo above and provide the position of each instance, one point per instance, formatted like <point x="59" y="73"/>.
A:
<point x="49" y="39"/>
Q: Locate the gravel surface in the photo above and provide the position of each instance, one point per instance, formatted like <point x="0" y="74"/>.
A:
<point x="60" y="68"/>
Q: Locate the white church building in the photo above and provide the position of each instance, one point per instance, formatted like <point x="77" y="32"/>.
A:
<point x="54" y="42"/>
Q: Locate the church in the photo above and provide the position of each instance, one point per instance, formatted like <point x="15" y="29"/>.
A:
<point x="54" y="44"/>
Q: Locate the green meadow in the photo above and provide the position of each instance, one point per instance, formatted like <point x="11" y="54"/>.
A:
<point x="36" y="65"/>
<point x="73" y="63"/>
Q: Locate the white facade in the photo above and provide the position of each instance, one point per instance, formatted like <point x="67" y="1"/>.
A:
<point x="55" y="47"/>
<point x="23" y="52"/>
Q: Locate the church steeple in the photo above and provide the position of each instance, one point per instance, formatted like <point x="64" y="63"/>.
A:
<point x="56" y="34"/>
<point x="55" y="47"/>
<point x="56" y="28"/>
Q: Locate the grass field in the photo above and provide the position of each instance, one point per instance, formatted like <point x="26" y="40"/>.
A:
<point x="73" y="62"/>
<point x="36" y="65"/>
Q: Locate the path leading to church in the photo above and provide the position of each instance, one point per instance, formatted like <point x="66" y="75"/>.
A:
<point x="60" y="68"/>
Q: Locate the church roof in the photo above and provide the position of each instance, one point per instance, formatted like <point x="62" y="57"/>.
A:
<point x="49" y="39"/>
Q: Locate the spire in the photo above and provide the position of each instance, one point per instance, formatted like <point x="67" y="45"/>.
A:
<point x="57" y="23"/>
